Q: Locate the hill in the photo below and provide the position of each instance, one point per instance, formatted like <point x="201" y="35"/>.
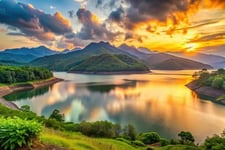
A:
<point x="65" y="62"/>
<point x="163" y="60"/>
<point x="16" y="58"/>
<point x="25" y="55"/>
<point x="213" y="60"/>
<point x="178" y="64"/>
<point x="40" y="51"/>
<point x="108" y="63"/>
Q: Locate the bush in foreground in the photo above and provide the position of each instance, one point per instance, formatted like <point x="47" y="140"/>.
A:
<point x="16" y="133"/>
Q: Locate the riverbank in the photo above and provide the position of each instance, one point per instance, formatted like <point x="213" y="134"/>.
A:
<point x="211" y="92"/>
<point x="111" y="73"/>
<point x="5" y="90"/>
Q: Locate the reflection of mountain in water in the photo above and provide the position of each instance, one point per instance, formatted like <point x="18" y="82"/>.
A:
<point x="107" y="87"/>
<point x="27" y="94"/>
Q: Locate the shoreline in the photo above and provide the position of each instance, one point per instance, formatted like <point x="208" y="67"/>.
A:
<point x="5" y="90"/>
<point x="213" y="93"/>
<point x="110" y="73"/>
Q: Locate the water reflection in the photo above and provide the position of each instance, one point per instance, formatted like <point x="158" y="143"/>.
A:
<point x="150" y="102"/>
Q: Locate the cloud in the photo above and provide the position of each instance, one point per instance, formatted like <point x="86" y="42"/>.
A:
<point x="117" y="15"/>
<point x="83" y="3"/>
<point x="32" y="22"/>
<point x="205" y="38"/>
<point x="91" y="28"/>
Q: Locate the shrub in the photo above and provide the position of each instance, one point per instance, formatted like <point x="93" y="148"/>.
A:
<point x="138" y="143"/>
<point x="217" y="82"/>
<point x="150" y="137"/>
<point x="129" y="132"/>
<point x="57" y="116"/>
<point x="164" y="142"/>
<point x="214" y="143"/>
<point x="186" y="137"/>
<point x="15" y="132"/>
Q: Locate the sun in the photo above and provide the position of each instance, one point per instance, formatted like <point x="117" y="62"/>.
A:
<point x="190" y="47"/>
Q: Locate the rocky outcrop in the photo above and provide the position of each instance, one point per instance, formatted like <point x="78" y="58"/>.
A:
<point x="207" y="91"/>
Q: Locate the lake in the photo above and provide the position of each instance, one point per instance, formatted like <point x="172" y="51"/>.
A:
<point x="158" y="101"/>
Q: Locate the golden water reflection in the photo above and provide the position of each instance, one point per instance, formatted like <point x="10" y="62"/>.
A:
<point x="150" y="102"/>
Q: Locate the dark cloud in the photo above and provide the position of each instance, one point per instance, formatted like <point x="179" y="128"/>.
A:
<point x="138" y="11"/>
<point x="99" y="3"/>
<point x="92" y="29"/>
<point x="33" y="22"/>
<point x="158" y="9"/>
<point x="117" y="15"/>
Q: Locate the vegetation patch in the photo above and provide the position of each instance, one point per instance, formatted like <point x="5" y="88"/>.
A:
<point x="13" y="74"/>
<point x="16" y="133"/>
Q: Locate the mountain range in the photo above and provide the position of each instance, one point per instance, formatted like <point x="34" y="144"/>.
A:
<point x="25" y="55"/>
<point x="66" y="60"/>
<point x="213" y="60"/>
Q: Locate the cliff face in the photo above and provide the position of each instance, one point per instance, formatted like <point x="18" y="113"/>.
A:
<point x="207" y="91"/>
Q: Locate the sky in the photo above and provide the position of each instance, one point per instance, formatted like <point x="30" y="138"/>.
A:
<point x="159" y="25"/>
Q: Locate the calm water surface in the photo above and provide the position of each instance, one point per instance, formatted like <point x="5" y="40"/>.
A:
<point x="151" y="102"/>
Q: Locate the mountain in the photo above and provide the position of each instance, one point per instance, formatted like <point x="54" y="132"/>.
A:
<point x="220" y="64"/>
<point x="213" y="60"/>
<point x="144" y="50"/>
<point x="158" y="60"/>
<point x="37" y="52"/>
<point x="132" y="51"/>
<point x="16" y="57"/>
<point x="68" y="51"/>
<point x="25" y="55"/>
<point x="64" y="62"/>
<point x="110" y="63"/>
<point x="171" y="64"/>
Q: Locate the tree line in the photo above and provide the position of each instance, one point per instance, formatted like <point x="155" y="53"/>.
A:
<point x="13" y="74"/>
<point x="215" y="79"/>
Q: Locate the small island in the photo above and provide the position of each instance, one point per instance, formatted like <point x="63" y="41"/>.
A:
<point x="15" y="78"/>
<point x="210" y="84"/>
<point x="110" y="64"/>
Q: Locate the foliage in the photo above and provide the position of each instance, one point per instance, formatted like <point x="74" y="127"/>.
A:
<point x="149" y="137"/>
<point x="164" y="142"/>
<point x="13" y="74"/>
<point x="215" y="143"/>
<point x="57" y="116"/>
<point x="25" y="108"/>
<point x="138" y="143"/>
<point x="129" y="132"/>
<point x="109" y="63"/>
<point x="186" y="137"/>
<point x="215" y="79"/>
<point x="15" y="132"/>
<point x="97" y="129"/>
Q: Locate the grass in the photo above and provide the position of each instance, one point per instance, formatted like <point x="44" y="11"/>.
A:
<point x="74" y="141"/>
<point x="221" y="98"/>
<point x="179" y="147"/>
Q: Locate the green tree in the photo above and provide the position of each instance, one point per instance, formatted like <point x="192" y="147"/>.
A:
<point x="217" y="82"/>
<point x="186" y="137"/>
<point x="57" y="116"/>
<point x="149" y="137"/>
<point x="129" y="132"/>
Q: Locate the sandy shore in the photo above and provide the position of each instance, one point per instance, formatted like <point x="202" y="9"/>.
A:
<point x="5" y="90"/>
<point x="207" y="91"/>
